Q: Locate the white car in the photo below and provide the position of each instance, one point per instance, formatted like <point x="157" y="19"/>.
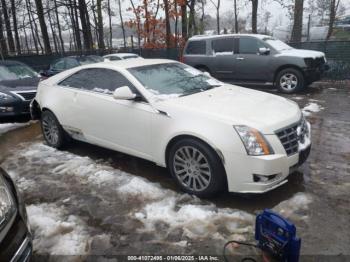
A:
<point x="210" y="135"/>
<point x="120" y="56"/>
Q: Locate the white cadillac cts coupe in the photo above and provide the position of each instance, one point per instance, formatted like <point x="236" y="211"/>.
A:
<point x="210" y="135"/>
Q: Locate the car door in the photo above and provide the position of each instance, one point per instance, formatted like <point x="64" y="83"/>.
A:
<point x="249" y="64"/>
<point x="223" y="57"/>
<point x="123" y="125"/>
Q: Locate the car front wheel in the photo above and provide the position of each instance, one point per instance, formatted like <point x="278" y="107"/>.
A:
<point x="53" y="132"/>
<point x="290" y="80"/>
<point x="196" y="167"/>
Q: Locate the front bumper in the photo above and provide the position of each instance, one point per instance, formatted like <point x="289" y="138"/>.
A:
<point x="315" y="74"/>
<point x="14" y="108"/>
<point x="243" y="169"/>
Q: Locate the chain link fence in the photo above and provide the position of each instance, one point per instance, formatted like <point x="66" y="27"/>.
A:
<point x="337" y="53"/>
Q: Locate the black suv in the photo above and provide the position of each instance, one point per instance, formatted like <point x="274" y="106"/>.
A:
<point x="18" y="84"/>
<point x="15" y="237"/>
<point x="256" y="59"/>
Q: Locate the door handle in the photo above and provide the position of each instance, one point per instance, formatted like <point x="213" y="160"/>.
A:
<point x="240" y="58"/>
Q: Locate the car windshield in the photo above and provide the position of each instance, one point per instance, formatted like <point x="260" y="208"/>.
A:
<point x="15" y="72"/>
<point x="173" y="79"/>
<point x="278" y="45"/>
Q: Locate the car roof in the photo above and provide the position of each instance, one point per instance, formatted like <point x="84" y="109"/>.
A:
<point x="203" y="37"/>
<point x="10" y="62"/>
<point x="130" y="63"/>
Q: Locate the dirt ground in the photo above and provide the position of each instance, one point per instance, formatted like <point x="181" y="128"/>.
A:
<point x="92" y="201"/>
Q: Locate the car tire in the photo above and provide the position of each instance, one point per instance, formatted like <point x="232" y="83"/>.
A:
<point x="290" y="80"/>
<point x="53" y="132"/>
<point x="196" y="167"/>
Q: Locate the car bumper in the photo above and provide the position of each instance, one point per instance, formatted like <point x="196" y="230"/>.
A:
<point x="244" y="172"/>
<point x="16" y="108"/>
<point x="314" y="74"/>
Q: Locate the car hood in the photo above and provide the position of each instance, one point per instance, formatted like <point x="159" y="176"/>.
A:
<point x="20" y="84"/>
<point x="239" y="106"/>
<point x="302" y="53"/>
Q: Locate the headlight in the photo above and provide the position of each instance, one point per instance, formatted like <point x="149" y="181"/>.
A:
<point x="254" y="141"/>
<point x="4" y="96"/>
<point x="7" y="205"/>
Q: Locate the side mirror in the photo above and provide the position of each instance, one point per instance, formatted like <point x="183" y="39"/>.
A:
<point x="206" y="73"/>
<point x="264" y="51"/>
<point x="124" y="93"/>
<point x="43" y="73"/>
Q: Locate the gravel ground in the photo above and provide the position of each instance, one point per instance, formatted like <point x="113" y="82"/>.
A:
<point x="93" y="201"/>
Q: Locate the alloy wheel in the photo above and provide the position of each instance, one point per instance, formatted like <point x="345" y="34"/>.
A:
<point x="50" y="129"/>
<point x="289" y="81"/>
<point x="192" y="168"/>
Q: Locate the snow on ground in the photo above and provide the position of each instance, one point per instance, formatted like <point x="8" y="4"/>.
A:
<point x="161" y="211"/>
<point x="56" y="232"/>
<point x="311" y="108"/>
<point x="11" y="126"/>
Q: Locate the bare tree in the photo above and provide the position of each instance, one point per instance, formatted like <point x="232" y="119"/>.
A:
<point x="254" y="16"/>
<point x="85" y="24"/>
<point x="58" y="26"/>
<point x="236" y="15"/>
<point x="217" y="7"/>
<point x="101" y="44"/>
<point x="167" y="23"/>
<point x="184" y="19"/>
<point x="10" y="41"/>
<point x="41" y="18"/>
<point x="15" y="27"/>
<point x="334" y="4"/>
<point x="3" y="46"/>
<point x="122" y="22"/>
<point x="298" y="21"/>
<point x="109" y="11"/>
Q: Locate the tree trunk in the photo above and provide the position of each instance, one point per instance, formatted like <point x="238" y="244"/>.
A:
<point x="10" y="41"/>
<point x="15" y="27"/>
<point x="202" y="17"/>
<point x="59" y="27"/>
<point x="332" y="13"/>
<point x="76" y="29"/>
<point x="138" y="23"/>
<point x="236" y="16"/>
<point x="184" y="20"/>
<point x="35" y="41"/>
<point x="298" y="21"/>
<point x="254" y="16"/>
<point x="85" y="24"/>
<point x="147" y="29"/>
<point x="54" y="37"/>
<point x="45" y="35"/>
<point x="3" y="45"/>
<point x="191" y="18"/>
<point x="122" y="23"/>
<point x="101" y="44"/>
<point x="218" y="17"/>
<point x="110" y="23"/>
<point x="167" y="24"/>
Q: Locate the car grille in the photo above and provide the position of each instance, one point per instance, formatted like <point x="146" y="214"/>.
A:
<point x="289" y="138"/>
<point x="26" y="95"/>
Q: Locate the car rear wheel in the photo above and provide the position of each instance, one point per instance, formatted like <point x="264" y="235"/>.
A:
<point x="290" y="80"/>
<point x="196" y="167"/>
<point x="53" y="132"/>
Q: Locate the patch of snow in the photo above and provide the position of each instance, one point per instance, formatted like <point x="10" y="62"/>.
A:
<point x="297" y="97"/>
<point x="224" y="53"/>
<point x="103" y="91"/>
<point x="55" y="232"/>
<point x="159" y="96"/>
<point x="11" y="126"/>
<point x="311" y="108"/>
<point x="295" y="208"/>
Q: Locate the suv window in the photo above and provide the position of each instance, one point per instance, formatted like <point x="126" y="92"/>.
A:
<point x="249" y="45"/>
<point x="223" y="45"/>
<point x="59" y="65"/>
<point x="97" y="79"/>
<point x="196" y="48"/>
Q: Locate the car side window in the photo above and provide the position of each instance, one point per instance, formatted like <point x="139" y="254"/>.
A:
<point x="59" y="65"/>
<point x="196" y="48"/>
<point x="98" y="80"/>
<point x="223" y="45"/>
<point x="249" y="45"/>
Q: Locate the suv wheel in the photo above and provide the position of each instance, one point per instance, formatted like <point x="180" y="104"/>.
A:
<point x="290" y="80"/>
<point x="53" y="132"/>
<point x="196" y="168"/>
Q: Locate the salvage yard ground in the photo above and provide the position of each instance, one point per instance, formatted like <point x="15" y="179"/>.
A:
<point x="88" y="200"/>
